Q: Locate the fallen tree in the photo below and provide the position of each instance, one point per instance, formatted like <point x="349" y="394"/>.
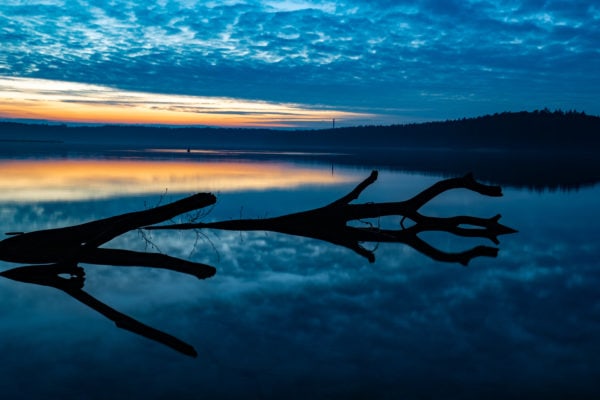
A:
<point x="330" y="223"/>
<point x="59" y="251"/>
<point x="80" y="243"/>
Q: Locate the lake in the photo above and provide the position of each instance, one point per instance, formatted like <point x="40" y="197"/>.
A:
<point x="294" y="317"/>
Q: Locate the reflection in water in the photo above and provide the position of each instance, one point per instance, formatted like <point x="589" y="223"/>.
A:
<point x="49" y="180"/>
<point x="54" y="276"/>
<point x="237" y="153"/>
<point x="329" y="223"/>
<point x="288" y="317"/>
<point x="65" y="247"/>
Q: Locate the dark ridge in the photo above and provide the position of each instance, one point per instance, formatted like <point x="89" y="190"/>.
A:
<point x="537" y="130"/>
<point x="539" y="150"/>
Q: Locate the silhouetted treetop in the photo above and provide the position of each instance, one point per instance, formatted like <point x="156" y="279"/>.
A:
<point x="515" y="130"/>
<point x="536" y="130"/>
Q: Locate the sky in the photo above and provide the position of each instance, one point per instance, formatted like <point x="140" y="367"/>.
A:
<point x="297" y="63"/>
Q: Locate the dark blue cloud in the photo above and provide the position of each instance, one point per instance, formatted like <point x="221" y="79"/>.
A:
<point x="427" y="59"/>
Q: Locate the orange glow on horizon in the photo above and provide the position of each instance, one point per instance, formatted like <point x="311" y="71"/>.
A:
<point x="53" y="180"/>
<point x="24" y="98"/>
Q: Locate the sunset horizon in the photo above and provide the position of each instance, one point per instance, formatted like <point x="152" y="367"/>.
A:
<point x="295" y="64"/>
<point x="34" y="99"/>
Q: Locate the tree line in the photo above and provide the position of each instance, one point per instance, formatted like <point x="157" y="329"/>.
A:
<point x="533" y="130"/>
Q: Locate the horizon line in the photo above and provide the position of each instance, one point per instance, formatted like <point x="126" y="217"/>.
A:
<point x="71" y="124"/>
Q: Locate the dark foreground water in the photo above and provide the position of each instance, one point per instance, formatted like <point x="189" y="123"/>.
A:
<point x="292" y="317"/>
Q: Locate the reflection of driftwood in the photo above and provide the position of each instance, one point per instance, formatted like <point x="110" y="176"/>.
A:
<point x="80" y="243"/>
<point x="64" y="248"/>
<point x="329" y="223"/>
<point x="53" y="276"/>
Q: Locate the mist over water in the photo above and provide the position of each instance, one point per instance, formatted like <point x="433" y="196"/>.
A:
<point x="294" y="317"/>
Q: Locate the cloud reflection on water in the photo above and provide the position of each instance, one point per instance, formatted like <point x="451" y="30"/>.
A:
<point x="297" y="318"/>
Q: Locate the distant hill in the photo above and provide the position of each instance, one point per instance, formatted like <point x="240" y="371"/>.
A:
<point x="539" y="149"/>
<point x="537" y="130"/>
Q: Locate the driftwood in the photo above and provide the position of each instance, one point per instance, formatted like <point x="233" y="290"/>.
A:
<point x="329" y="223"/>
<point x="59" y="251"/>
<point x="80" y="243"/>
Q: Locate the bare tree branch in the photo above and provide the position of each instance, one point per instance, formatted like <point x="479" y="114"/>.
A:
<point x="329" y="223"/>
<point x="353" y="195"/>
<point x="70" y="243"/>
<point x="65" y="247"/>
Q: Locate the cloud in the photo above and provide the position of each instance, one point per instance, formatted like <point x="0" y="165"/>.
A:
<point x="75" y="102"/>
<point x="368" y="55"/>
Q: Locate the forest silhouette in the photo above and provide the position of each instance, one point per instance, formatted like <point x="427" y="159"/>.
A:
<point x="537" y="130"/>
<point x="540" y="149"/>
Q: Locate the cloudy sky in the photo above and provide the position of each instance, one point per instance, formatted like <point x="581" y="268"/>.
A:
<point x="297" y="62"/>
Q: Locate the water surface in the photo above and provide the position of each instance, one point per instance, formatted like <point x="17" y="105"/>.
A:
<point x="295" y="317"/>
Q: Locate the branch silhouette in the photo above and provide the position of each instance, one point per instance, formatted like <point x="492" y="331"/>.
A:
<point x="52" y="276"/>
<point x="80" y="243"/>
<point x="329" y="223"/>
<point x="57" y="252"/>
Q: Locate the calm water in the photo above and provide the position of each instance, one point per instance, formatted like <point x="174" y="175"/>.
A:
<point x="292" y="317"/>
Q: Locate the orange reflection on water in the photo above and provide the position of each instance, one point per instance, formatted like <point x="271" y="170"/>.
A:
<point x="48" y="180"/>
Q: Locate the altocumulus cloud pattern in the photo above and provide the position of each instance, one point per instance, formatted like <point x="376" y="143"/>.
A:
<point x="410" y="60"/>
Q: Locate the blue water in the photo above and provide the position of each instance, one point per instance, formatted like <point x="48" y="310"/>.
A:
<point x="292" y="317"/>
